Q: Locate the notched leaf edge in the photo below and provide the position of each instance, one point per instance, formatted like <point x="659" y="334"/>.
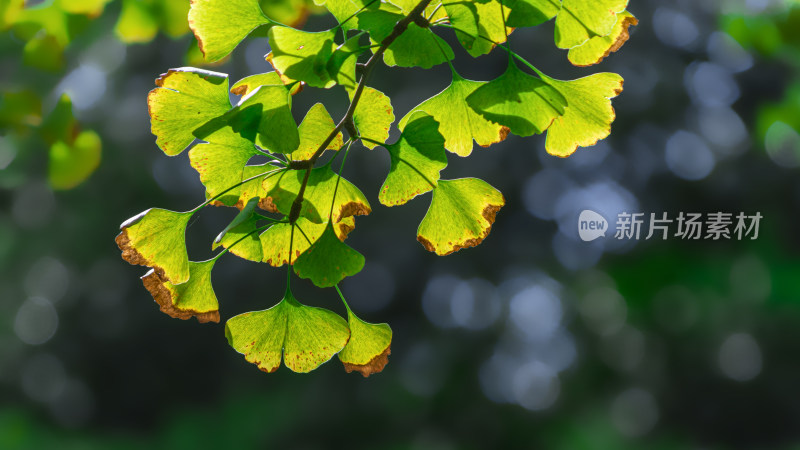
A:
<point x="375" y="365"/>
<point x="155" y="285"/>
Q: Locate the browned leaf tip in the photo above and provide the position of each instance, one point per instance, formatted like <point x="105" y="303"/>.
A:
<point x="375" y="365"/>
<point x="489" y="213"/>
<point x="267" y="204"/>
<point x="502" y="134"/>
<point x="129" y="254"/>
<point x="353" y="209"/>
<point x="154" y="283"/>
<point x="623" y="37"/>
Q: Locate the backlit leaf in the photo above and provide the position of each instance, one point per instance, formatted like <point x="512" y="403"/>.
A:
<point x="460" y="216"/>
<point x="156" y="238"/>
<point x="416" y="47"/>
<point x="184" y="100"/>
<point x="368" y="349"/>
<point x="316" y="126"/>
<point x="478" y="19"/>
<point x="373" y="116"/>
<point x="328" y="261"/>
<point x="305" y="337"/>
<point x="221" y="162"/>
<point x="523" y="103"/>
<point x="416" y="160"/>
<point x="249" y="84"/>
<point x="219" y="25"/>
<point x="270" y="108"/>
<point x="194" y="298"/>
<point x="240" y="235"/>
<point x="277" y="239"/>
<point x="595" y="49"/>
<point x="302" y="55"/>
<point x="581" y="20"/>
<point x="589" y="113"/>
<point x="458" y="122"/>
<point x="136" y="23"/>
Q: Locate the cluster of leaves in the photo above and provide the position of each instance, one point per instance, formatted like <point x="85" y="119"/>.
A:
<point x="296" y="212"/>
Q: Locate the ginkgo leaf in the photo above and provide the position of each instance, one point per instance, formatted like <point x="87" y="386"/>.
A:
<point x="461" y="215"/>
<point x="304" y="336"/>
<point x="529" y="13"/>
<point x="302" y="55"/>
<point x="156" y="238"/>
<point x="588" y="117"/>
<point x="282" y="189"/>
<point x="368" y="349"/>
<point x="184" y="100"/>
<point x="71" y="164"/>
<point x="523" y="103"/>
<point x="60" y="124"/>
<point x="270" y="107"/>
<point x="416" y="160"/>
<point x="221" y="163"/>
<point x="240" y="235"/>
<point x="581" y="20"/>
<point x="597" y="48"/>
<point x="328" y="261"/>
<point x="219" y="25"/>
<point x="458" y="123"/>
<point x="249" y="84"/>
<point x="373" y="116"/>
<point x="316" y="126"/>
<point x="277" y="239"/>
<point x="478" y="19"/>
<point x="136" y="23"/>
<point x="416" y="47"/>
<point x="194" y="298"/>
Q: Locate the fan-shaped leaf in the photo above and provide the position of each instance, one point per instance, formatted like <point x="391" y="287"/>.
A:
<point x="184" y="100"/>
<point x="71" y="164"/>
<point x="194" y="298"/>
<point x="302" y="55"/>
<point x="529" y="13"/>
<point x="328" y="261"/>
<point x="417" y="158"/>
<point x="156" y="238"/>
<point x="373" y="116"/>
<point x="219" y="25"/>
<point x="458" y="122"/>
<point x="460" y="216"/>
<point x="304" y="336"/>
<point x="316" y="126"/>
<point x="368" y="349"/>
<point x="588" y="117"/>
<point x="523" y="103"/>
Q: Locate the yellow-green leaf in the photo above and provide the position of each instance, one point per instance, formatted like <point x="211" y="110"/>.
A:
<point x="271" y="108"/>
<point x="219" y="25"/>
<point x="304" y="336"/>
<point x="416" y="160"/>
<point x="478" y="19"/>
<point x="458" y="123"/>
<point x="523" y="103"/>
<point x="460" y="216"/>
<point x="581" y="20"/>
<point x="156" y="238"/>
<point x="373" y="116"/>
<point x="194" y="298"/>
<point x="589" y="113"/>
<point x="302" y="55"/>
<point x="368" y="349"/>
<point x="136" y="23"/>
<point x="595" y="49"/>
<point x="242" y="232"/>
<point x="316" y="126"/>
<point x="328" y="261"/>
<point x="221" y="163"/>
<point x="184" y="100"/>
